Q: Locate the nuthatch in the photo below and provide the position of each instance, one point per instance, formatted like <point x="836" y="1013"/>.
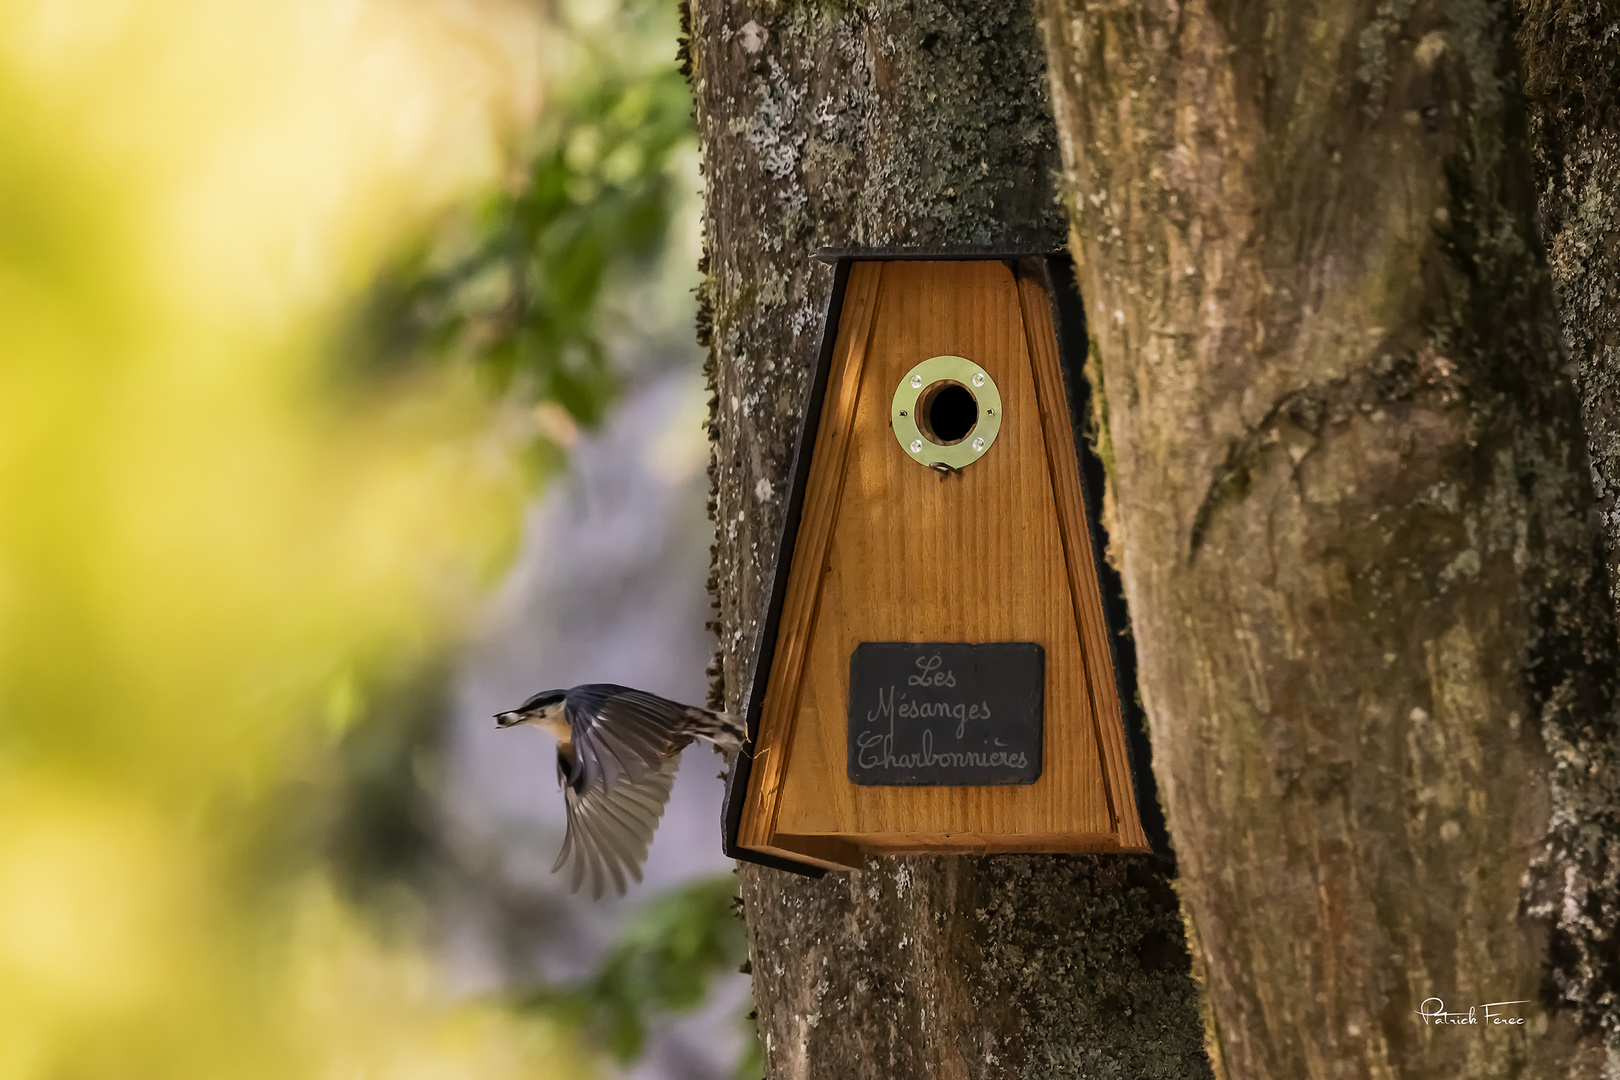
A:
<point x="617" y="752"/>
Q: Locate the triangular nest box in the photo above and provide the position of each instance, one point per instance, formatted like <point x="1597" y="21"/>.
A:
<point x="937" y="670"/>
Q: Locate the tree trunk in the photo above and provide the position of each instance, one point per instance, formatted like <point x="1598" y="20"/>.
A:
<point x="1572" y="73"/>
<point x="918" y="125"/>
<point x="1353" y="513"/>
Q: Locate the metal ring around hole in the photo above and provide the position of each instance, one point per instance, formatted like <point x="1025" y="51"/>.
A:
<point x="918" y="382"/>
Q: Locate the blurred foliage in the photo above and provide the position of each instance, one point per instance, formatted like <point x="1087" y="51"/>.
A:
<point x="383" y="834"/>
<point x="198" y="545"/>
<point x="515" y="286"/>
<point x="665" y="962"/>
<point x="509" y="287"/>
<point x="216" y="573"/>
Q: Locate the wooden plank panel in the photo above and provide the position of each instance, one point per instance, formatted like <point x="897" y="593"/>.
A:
<point x="974" y="557"/>
<point x="987" y="844"/>
<point x="1041" y="337"/>
<point x="821" y="501"/>
<point x="827" y="852"/>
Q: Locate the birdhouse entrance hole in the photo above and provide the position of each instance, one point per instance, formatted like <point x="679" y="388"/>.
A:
<point x="946" y="411"/>
<point x="949" y="412"/>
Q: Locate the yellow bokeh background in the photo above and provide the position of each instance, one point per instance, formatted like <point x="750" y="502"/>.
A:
<point x="206" y="540"/>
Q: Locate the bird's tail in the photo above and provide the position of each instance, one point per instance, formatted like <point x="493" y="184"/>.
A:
<point x="722" y="729"/>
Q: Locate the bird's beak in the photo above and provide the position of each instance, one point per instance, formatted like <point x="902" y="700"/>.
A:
<point x="507" y="719"/>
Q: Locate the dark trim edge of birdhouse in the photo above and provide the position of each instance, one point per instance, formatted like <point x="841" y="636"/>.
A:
<point x="1055" y="272"/>
<point x="765" y="645"/>
<point x="838" y="256"/>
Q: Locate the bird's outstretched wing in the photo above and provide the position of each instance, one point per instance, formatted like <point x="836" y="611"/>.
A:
<point x="610" y="826"/>
<point x="619" y="732"/>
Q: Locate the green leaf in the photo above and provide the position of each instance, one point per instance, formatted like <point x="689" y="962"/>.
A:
<point x="515" y="284"/>
<point x="665" y="962"/>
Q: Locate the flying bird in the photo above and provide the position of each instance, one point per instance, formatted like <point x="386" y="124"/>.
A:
<point x="617" y="752"/>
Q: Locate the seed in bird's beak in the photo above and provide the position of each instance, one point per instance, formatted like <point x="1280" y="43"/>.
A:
<point x="505" y="719"/>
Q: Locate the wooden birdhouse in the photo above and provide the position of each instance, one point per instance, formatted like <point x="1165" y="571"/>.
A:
<point x="937" y="671"/>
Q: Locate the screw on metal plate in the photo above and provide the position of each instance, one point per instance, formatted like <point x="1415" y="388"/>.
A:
<point x="946" y="413"/>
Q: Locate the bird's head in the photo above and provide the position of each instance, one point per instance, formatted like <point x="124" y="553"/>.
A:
<point x="544" y="709"/>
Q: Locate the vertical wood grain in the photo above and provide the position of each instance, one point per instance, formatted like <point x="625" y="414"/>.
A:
<point x="909" y="555"/>
<point x="1040" y="334"/>
<point x="821" y="500"/>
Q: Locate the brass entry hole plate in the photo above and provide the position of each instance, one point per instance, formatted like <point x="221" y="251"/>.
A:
<point x="921" y="390"/>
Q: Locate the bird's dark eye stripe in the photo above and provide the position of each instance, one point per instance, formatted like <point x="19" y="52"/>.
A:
<point x="548" y="697"/>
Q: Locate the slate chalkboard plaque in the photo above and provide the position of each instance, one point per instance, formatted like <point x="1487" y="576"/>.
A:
<point x="945" y="714"/>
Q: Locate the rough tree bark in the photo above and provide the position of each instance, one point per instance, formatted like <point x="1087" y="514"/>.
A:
<point x="1352" y="507"/>
<point x="888" y="124"/>
<point x="1572" y="74"/>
